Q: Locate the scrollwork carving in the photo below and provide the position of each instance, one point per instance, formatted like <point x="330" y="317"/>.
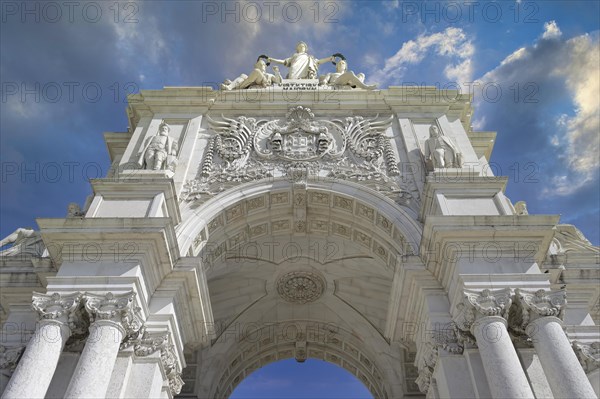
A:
<point x="482" y="304"/>
<point x="530" y="305"/>
<point x="426" y="366"/>
<point x="588" y="355"/>
<point x="119" y="308"/>
<point x="59" y="307"/>
<point x="10" y="356"/>
<point x="245" y="149"/>
<point x="148" y="344"/>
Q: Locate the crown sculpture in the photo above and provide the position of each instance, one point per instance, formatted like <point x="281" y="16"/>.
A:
<point x="303" y="71"/>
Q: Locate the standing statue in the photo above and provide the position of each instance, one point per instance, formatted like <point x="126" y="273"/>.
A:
<point x="156" y="149"/>
<point x="440" y="151"/>
<point x="301" y="65"/>
<point x="343" y="77"/>
<point x="258" y="77"/>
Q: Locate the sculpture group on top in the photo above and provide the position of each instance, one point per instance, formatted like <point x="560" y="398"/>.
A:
<point x="301" y="66"/>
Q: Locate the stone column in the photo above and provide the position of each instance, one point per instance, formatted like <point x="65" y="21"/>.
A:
<point x="113" y="318"/>
<point x="540" y="313"/>
<point x="484" y="315"/>
<point x="36" y="368"/>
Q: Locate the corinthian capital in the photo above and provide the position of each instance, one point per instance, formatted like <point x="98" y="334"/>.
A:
<point x="588" y="355"/>
<point x="118" y="308"/>
<point x="531" y="305"/>
<point x="426" y="365"/>
<point x="481" y="304"/>
<point x="9" y="357"/>
<point x="56" y="306"/>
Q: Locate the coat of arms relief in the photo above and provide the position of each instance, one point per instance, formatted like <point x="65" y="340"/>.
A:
<point x="299" y="147"/>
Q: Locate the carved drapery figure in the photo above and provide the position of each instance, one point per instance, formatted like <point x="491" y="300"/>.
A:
<point x="257" y="78"/>
<point x="157" y="149"/>
<point x="25" y="241"/>
<point x="301" y="65"/>
<point x="343" y="77"/>
<point x="440" y="151"/>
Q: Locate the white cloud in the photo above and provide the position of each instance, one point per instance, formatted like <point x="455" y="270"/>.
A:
<point x="551" y="31"/>
<point x="391" y="4"/>
<point x="583" y="80"/>
<point x="451" y="43"/>
<point x="574" y="63"/>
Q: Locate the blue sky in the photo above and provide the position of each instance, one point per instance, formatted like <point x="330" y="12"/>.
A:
<point x="315" y="379"/>
<point x="65" y="70"/>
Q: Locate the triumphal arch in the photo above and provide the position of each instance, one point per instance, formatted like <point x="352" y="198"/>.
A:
<point x="311" y="216"/>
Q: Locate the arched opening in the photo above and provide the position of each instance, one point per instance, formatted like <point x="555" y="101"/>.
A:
<point x="311" y="379"/>
<point x="302" y="272"/>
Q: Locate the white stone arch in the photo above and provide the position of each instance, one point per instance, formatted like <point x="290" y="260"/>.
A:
<point x="373" y="234"/>
<point x="196" y="218"/>
<point x="324" y="342"/>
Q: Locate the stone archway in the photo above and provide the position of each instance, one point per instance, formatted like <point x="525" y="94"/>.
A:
<point x="302" y="271"/>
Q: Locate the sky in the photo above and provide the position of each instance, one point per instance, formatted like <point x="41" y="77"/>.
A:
<point x="533" y="69"/>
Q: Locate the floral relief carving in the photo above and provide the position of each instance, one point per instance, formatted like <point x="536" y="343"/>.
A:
<point x="119" y="308"/>
<point x="530" y="305"/>
<point x="300" y="287"/>
<point x="482" y="304"/>
<point x="300" y="145"/>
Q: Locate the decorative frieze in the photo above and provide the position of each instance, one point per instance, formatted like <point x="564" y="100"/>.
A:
<point x="298" y="146"/>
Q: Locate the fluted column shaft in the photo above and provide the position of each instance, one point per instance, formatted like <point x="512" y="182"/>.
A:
<point x="36" y="368"/>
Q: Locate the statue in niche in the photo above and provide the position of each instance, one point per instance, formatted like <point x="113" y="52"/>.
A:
<point x="157" y="149"/>
<point x="24" y="241"/>
<point x="257" y="78"/>
<point x="440" y="151"/>
<point x="343" y="77"/>
<point x="301" y="65"/>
